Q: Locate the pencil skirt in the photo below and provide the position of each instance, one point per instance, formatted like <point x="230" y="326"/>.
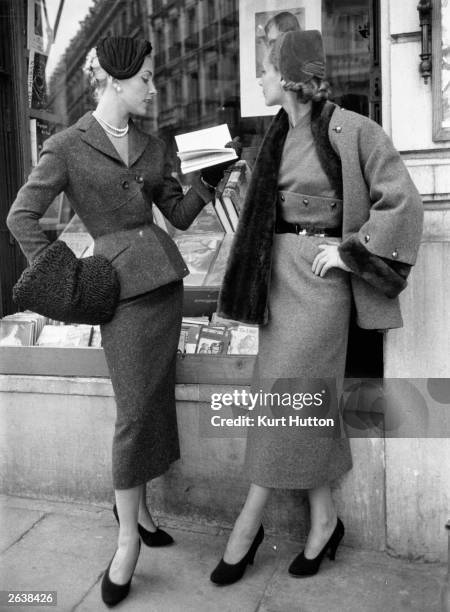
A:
<point x="140" y="345"/>
<point x="303" y="345"/>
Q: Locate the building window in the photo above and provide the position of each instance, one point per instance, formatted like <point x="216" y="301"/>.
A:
<point x="211" y="14"/>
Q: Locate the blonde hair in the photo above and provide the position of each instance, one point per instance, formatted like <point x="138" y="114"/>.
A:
<point x="98" y="77"/>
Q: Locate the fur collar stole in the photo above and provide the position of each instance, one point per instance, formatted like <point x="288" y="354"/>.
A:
<point x="245" y="288"/>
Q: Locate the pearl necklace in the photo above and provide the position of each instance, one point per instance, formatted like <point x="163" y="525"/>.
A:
<point x="111" y="129"/>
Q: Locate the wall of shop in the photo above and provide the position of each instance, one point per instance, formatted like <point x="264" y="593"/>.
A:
<point x="417" y="487"/>
<point x="55" y="439"/>
<point x="55" y="443"/>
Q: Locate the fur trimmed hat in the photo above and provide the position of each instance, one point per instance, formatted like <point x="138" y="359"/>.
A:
<point x="121" y="56"/>
<point x="301" y="55"/>
<point x="62" y="287"/>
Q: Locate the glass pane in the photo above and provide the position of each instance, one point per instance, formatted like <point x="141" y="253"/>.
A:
<point x="196" y="66"/>
<point x="345" y="28"/>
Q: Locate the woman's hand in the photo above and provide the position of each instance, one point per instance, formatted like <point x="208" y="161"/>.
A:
<point x="328" y="258"/>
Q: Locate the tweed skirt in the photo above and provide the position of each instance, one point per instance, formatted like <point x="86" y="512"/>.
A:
<point x="303" y="345"/>
<point x="140" y="345"/>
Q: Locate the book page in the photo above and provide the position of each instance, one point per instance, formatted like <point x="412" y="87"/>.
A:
<point x="208" y="138"/>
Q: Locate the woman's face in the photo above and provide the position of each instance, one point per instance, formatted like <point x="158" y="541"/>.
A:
<point x="271" y="84"/>
<point x="138" y="91"/>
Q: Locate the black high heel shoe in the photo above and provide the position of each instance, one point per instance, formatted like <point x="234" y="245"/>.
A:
<point x="150" y="538"/>
<point x="113" y="593"/>
<point x="226" y="573"/>
<point x="301" y="566"/>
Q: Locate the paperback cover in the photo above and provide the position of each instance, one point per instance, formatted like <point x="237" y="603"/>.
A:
<point x="192" y="336"/>
<point x="244" y="340"/>
<point x="16" y="333"/>
<point x="198" y="252"/>
<point x="73" y="336"/>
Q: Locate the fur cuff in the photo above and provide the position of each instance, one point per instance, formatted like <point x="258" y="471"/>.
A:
<point x="386" y="275"/>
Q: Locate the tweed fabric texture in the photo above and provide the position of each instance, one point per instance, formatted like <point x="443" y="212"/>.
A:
<point x="382" y="209"/>
<point x="140" y="342"/>
<point x="62" y="287"/>
<point x="305" y="340"/>
<point x="121" y="56"/>
<point x="140" y="345"/>
<point x="108" y="196"/>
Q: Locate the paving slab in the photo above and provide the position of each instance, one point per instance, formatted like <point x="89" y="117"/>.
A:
<point x="66" y="547"/>
<point x="357" y="581"/>
<point x="15" y="522"/>
<point x="176" y="579"/>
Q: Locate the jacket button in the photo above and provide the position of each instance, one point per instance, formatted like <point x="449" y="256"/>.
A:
<point x="366" y="238"/>
<point x="305" y="201"/>
<point x="333" y="204"/>
<point x="125" y="184"/>
<point x="139" y="179"/>
<point x="395" y="254"/>
<point x="338" y="129"/>
<point x="282" y="198"/>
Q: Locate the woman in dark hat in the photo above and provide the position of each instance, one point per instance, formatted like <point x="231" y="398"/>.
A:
<point x="331" y="217"/>
<point x="112" y="173"/>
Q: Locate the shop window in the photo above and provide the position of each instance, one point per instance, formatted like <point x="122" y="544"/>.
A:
<point x="210" y="11"/>
<point x="345" y="27"/>
<point x="197" y="51"/>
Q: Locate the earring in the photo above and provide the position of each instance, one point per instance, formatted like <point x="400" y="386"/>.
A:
<point x="118" y="88"/>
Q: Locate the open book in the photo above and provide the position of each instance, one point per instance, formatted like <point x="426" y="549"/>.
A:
<point x="204" y="148"/>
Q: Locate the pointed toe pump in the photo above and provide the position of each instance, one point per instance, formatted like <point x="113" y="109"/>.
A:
<point x="150" y="538"/>
<point x="113" y="593"/>
<point x="302" y="567"/>
<point x="226" y="573"/>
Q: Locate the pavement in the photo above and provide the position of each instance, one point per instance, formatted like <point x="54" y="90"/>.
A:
<point x="65" y="547"/>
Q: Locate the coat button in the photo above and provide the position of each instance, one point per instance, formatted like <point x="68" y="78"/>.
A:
<point x="125" y="184"/>
<point x="366" y="238"/>
<point x="282" y="198"/>
<point x="305" y="201"/>
<point x="333" y="204"/>
<point x="338" y="129"/>
<point x="395" y="254"/>
<point x="139" y="179"/>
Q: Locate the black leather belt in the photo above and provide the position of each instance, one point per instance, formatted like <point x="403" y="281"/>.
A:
<point x="283" y="227"/>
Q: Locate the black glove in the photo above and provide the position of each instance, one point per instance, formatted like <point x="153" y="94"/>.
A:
<point x="214" y="174"/>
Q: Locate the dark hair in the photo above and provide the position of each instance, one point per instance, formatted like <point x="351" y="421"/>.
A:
<point x="315" y="89"/>
<point x="284" y="22"/>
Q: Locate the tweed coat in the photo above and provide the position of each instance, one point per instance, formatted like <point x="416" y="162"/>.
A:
<point x="382" y="218"/>
<point x="113" y="200"/>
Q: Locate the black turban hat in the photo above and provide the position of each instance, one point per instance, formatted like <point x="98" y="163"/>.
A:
<point x="301" y="55"/>
<point x="122" y="57"/>
<point x="62" y="287"/>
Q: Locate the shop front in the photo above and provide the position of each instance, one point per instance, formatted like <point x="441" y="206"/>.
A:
<point x="206" y="57"/>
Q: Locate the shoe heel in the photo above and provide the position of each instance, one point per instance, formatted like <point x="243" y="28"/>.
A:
<point x="251" y="558"/>
<point x="333" y="548"/>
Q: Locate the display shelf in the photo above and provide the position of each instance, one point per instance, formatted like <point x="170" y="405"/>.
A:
<point x="90" y="362"/>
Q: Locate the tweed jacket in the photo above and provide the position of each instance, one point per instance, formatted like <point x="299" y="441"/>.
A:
<point x="381" y="226"/>
<point x="113" y="200"/>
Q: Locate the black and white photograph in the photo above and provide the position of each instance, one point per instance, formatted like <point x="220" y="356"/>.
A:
<point x="225" y="385"/>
